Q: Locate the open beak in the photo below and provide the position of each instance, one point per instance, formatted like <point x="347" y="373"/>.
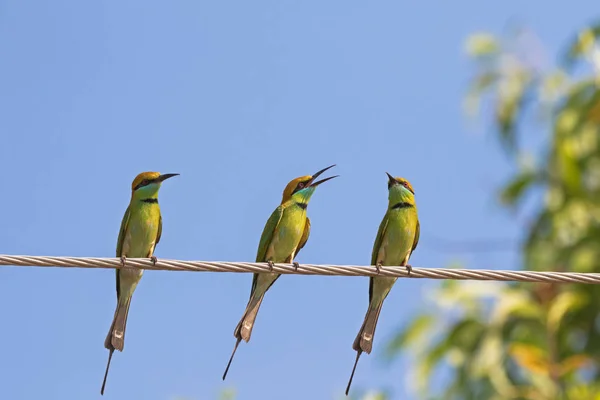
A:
<point x="164" y="177"/>
<point x="316" y="175"/>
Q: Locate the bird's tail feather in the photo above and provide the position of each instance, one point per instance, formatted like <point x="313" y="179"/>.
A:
<point x="364" y="339"/>
<point x="366" y="335"/>
<point x="115" y="340"/>
<point x="106" y="372"/>
<point x="358" y="353"/>
<point x="237" y="343"/>
<point x="243" y="330"/>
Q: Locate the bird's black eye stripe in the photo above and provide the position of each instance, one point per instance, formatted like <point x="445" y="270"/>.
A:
<point x="300" y="186"/>
<point x="143" y="183"/>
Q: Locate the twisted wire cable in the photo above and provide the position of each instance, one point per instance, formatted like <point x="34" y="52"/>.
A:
<point x="303" y="269"/>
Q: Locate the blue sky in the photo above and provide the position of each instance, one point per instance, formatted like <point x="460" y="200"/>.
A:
<point x="238" y="97"/>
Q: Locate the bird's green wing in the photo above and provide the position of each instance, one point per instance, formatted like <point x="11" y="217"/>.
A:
<point x="304" y="237"/>
<point x="267" y="234"/>
<point x="417" y="234"/>
<point x="265" y="239"/>
<point x="378" y="239"/>
<point x="376" y="246"/>
<point x="159" y="233"/>
<point x="124" y="224"/>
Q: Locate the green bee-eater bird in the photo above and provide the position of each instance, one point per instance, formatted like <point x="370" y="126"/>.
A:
<point x="285" y="233"/>
<point x="397" y="238"/>
<point x="140" y="232"/>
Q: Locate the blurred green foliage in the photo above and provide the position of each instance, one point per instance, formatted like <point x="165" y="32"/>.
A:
<point x="527" y="341"/>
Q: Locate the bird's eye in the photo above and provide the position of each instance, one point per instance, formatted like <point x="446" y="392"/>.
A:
<point x="301" y="185"/>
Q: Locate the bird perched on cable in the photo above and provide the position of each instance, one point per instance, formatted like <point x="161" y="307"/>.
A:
<point x="140" y="232"/>
<point x="397" y="238"/>
<point x="285" y="233"/>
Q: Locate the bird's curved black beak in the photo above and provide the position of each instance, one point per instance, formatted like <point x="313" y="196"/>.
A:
<point x="316" y="175"/>
<point x="164" y="177"/>
<point x="391" y="180"/>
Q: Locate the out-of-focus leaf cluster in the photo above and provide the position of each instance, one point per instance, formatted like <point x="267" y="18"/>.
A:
<point x="527" y="341"/>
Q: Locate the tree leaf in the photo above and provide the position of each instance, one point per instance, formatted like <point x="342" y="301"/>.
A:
<point x="530" y="357"/>
<point x="575" y="362"/>
<point x="580" y="45"/>
<point x="416" y="330"/>
<point x="514" y="191"/>
<point x="563" y="303"/>
<point x="481" y="44"/>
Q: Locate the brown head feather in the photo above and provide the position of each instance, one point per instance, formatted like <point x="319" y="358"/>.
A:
<point x="142" y="177"/>
<point x="405" y="183"/>
<point x="293" y="186"/>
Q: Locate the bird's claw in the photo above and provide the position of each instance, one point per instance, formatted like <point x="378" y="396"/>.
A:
<point x="378" y="268"/>
<point x="123" y="258"/>
<point x="296" y="266"/>
<point x="408" y="269"/>
<point x="271" y="265"/>
<point x="154" y="260"/>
